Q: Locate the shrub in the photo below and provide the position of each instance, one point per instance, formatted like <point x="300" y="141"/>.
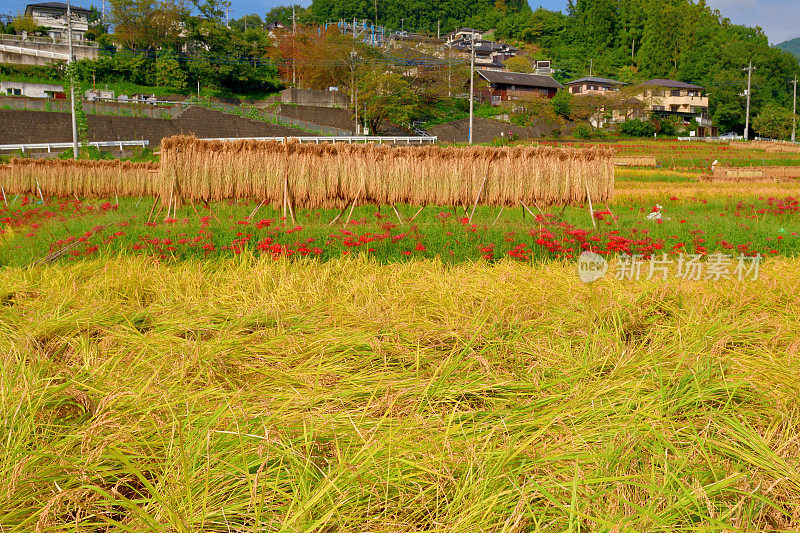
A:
<point x="637" y="128"/>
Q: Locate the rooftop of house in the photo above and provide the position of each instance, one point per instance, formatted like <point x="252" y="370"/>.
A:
<point x="593" y="79"/>
<point x="57" y="5"/>
<point x="520" y="78"/>
<point x="670" y="84"/>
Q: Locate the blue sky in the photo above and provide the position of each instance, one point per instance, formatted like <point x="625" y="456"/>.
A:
<point x="779" y="18"/>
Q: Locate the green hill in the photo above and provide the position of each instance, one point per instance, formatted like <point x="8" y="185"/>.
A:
<point x="792" y="46"/>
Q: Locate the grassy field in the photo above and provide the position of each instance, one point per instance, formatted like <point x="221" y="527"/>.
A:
<point x="231" y="371"/>
<point x="695" y="156"/>
<point x="253" y="395"/>
<point x="696" y="218"/>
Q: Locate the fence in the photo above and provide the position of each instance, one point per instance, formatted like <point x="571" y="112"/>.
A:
<point x="24" y="148"/>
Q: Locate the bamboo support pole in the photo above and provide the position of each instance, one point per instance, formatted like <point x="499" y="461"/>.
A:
<point x="332" y="222"/>
<point x="41" y="197"/>
<point x="353" y="206"/>
<point x="498" y="215"/>
<point x="195" y="209"/>
<point x="526" y="208"/>
<point x="478" y="197"/>
<point x="257" y="208"/>
<point x="151" y="209"/>
<point x="417" y="213"/>
<point x="612" y="215"/>
<point x="397" y="213"/>
<point x="591" y="210"/>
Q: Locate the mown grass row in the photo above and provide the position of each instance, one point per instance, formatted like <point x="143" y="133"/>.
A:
<point x="251" y="395"/>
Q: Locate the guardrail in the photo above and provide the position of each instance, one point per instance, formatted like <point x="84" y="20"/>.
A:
<point x="725" y="139"/>
<point x="58" y="146"/>
<point x="33" y="52"/>
<point x="350" y="139"/>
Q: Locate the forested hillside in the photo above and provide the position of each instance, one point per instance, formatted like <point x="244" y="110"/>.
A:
<point x="630" y="40"/>
<point x="421" y="15"/>
<point x="792" y="46"/>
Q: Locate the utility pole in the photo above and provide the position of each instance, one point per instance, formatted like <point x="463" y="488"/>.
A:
<point x="294" y="43"/>
<point x="471" y="84"/>
<point x="794" y="109"/>
<point x="402" y="25"/>
<point x="591" y="66"/>
<point x="438" y="29"/>
<point x="749" y="70"/>
<point x="353" y="94"/>
<point x="72" y="84"/>
<point x="228" y="17"/>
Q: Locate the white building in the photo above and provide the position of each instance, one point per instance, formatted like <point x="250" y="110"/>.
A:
<point x="32" y="90"/>
<point x="53" y="15"/>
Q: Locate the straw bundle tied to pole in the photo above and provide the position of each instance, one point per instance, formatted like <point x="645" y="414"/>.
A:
<point x="87" y="179"/>
<point x="334" y="175"/>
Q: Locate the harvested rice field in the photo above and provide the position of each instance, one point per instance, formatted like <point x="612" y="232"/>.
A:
<point x="255" y="395"/>
<point x="226" y="366"/>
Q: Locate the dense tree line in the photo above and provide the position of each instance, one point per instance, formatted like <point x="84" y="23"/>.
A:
<point x="420" y="15"/>
<point x="634" y="40"/>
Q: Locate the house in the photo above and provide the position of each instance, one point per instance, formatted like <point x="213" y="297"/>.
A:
<point x="507" y="86"/>
<point x="53" y="15"/>
<point x="463" y="34"/>
<point x="275" y="27"/>
<point x="670" y="97"/>
<point x="543" y="67"/>
<point x="593" y="85"/>
<point x="489" y="55"/>
<point x="31" y="90"/>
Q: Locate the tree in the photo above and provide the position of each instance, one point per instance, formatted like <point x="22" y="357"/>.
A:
<point x="148" y="24"/>
<point x="519" y="63"/>
<point x="283" y="14"/>
<point x="26" y="23"/>
<point x="562" y="103"/>
<point x="385" y="96"/>
<point x="169" y="73"/>
<point x="774" y="122"/>
<point x="214" y="10"/>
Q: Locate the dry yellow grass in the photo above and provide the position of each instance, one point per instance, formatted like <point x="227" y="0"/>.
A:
<point x="632" y="189"/>
<point x="327" y="175"/>
<point x="254" y="395"/>
<point x="635" y="161"/>
<point x="754" y="174"/>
